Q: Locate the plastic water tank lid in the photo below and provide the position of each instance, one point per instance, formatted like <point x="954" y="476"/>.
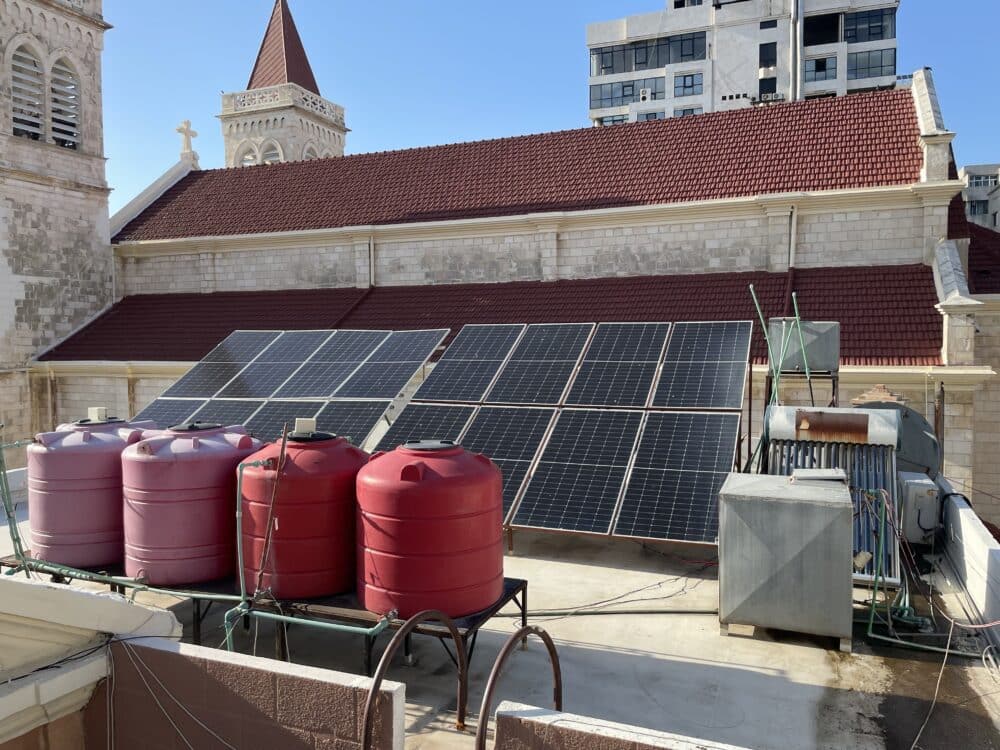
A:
<point x="195" y="426"/>
<point x="310" y="437"/>
<point x="429" y="445"/>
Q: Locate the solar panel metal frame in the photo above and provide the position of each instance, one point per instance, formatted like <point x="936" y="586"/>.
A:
<point x="632" y="466"/>
<point x="359" y="440"/>
<point x="487" y="400"/>
<point x="371" y="360"/>
<point x="516" y="506"/>
<point x="651" y="406"/>
<point x="196" y="404"/>
<point x="502" y="363"/>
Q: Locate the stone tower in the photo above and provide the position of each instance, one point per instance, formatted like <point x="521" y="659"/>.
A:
<point x="281" y="115"/>
<point x="55" y="256"/>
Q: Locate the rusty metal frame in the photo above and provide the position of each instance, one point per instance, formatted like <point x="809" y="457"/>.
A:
<point x="508" y="648"/>
<point x="383" y="666"/>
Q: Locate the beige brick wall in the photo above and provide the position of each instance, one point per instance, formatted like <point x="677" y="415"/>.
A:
<point x="888" y="236"/>
<point x="515" y="257"/>
<point x="74" y="395"/>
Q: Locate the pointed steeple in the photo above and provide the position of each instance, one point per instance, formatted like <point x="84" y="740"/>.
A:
<point x="281" y="58"/>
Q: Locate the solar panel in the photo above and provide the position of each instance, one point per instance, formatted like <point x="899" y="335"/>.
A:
<point x="349" y="346"/>
<point x="579" y="476"/>
<point x="612" y="384"/>
<point x="391" y="366"/>
<point x="352" y="419"/>
<point x="409" y="346"/>
<point x="293" y="346"/>
<point x="268" y="423"/>
<point x="541" y="364"/>
<point x="701" y="385"/>
<point x="205" y="379"/>
<point x="226" y="412"/>
<point x="167" y="412"/>
<point x="470" y="363"/>
<point x="548" y="341"/>
<point x="241" y="346"/>
<point x="426" y="422"/>
<point x="259" y="380"/>
<point x="627" y="342"/>
<point x="680" y="463"/>
<point x="316" y="380"/>
<point x="705" y="366"/>
<point x="511" y="437"/>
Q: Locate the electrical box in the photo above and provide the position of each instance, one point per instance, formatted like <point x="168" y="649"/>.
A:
<point x="822" y="344"/>
<point x="785" y="553"/>
<point x="921" y="506"/>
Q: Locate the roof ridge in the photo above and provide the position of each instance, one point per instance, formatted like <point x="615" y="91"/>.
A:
<point x="665" y="124"/>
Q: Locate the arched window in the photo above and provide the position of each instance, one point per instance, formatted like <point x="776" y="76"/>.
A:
<point x="65" y="103"/>
<point x="271" y="154"/>
<point x="309" y="153"/>
<point x="247" y="156"/>
<point x="27" y="94"/>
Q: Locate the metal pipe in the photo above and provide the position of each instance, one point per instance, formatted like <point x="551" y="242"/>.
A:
<point x="802" y="342"/>
<point x="383" y="666"/>
<point x="8" y="505"/>
<point x="239" y="524"/>
<point x="498" y="665"/>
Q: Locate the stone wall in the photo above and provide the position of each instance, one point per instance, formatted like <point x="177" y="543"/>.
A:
<point x="249" y="702"/>
<point x="747" y="243"/>
<point x="985" y="419"/>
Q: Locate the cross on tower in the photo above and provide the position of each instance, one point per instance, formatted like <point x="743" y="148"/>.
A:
<point x="186" y="135"/>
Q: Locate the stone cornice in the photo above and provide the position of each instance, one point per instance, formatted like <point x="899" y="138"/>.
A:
<point x="865" y="199"/>
<point x="50" y="181"/>
<point x="97" y="23"/>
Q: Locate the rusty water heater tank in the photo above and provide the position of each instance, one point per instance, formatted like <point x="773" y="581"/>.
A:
<point x="75" y="490"/>
<point x="310" y="504"/>
<point x="430" y="517"/>
<point x="180" y="503"/>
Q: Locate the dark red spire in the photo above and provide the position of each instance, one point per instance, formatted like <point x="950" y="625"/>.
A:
<point x="281" y="58"/>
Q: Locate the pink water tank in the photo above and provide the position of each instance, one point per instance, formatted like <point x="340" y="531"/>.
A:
<point x="75" y="491"/>
<point x="180" y="503"/>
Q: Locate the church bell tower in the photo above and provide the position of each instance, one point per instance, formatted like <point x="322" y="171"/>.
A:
<point x="281" y="116"/>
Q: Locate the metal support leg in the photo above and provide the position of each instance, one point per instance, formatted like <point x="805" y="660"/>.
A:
<point x="280" y="641"/>
<point x="196" y="622"/>
<point x="408" y="651"/>
<point x="369" y="645"/>
<point x="524" y="616"/>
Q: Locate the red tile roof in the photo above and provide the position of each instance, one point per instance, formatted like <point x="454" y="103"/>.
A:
<point x="984" y="260"/>
<point x="887" y="313"/>
<point x="855" y="141"/>
<point x="282" y="58"/>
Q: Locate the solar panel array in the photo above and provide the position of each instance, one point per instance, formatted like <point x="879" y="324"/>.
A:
<point x="620" y="428"/>
<point x="266" y="379"/>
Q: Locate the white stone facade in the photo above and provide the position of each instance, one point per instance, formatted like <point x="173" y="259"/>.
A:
<point x="982" y="194"/>
<point x="733" y="65"/>
<point x="55" y="258"/>
<point x="280" y="123"/>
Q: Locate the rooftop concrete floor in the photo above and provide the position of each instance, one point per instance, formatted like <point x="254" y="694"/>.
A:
<point x="667" y="670"/>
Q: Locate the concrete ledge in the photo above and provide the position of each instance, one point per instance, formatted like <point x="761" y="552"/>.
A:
<point x="975" y="557"/>
<point x="520" y="727"/>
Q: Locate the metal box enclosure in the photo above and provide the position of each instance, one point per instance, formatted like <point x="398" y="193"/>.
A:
<point x="822" y="340"/>
<point x="785" y="554"/>
<point x="921" y="506"/>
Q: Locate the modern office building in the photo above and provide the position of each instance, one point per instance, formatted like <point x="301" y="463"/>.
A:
<point x="698" y="56"/>
<point x="981" y="193"/>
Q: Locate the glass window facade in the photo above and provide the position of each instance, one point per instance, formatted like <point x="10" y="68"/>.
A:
<point x="772" y="24"/>
<point x="689" y="84"/>
<point x="824" y="29"/>
<point x="647" y="54"/>
<point x="982" y="180"/>
<point x="768" y="86"/>
<point x="644" y="116"/>
<point x="686" y="111"/>
<point x="979" y="208"/>
<point x="821" y="69"/>
<point x="613" y="120"/>
<point x="877" y="62"/>
<point x="768" y="54"/>
<point x="625" y="92"/>
<point x="870" y="25"/>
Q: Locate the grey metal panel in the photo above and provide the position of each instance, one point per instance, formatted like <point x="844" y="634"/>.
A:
<point x="822" y="340"/>
<point x="785" y="554"/>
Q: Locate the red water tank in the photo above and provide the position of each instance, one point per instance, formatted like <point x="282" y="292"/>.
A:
<point x="430" y="530"/>
<point x="180" y="503"/>
<point x="75" y="491"/>
<point x="312" y="546"/>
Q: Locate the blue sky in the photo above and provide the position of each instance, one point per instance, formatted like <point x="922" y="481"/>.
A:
<point x="412" y="74"/>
